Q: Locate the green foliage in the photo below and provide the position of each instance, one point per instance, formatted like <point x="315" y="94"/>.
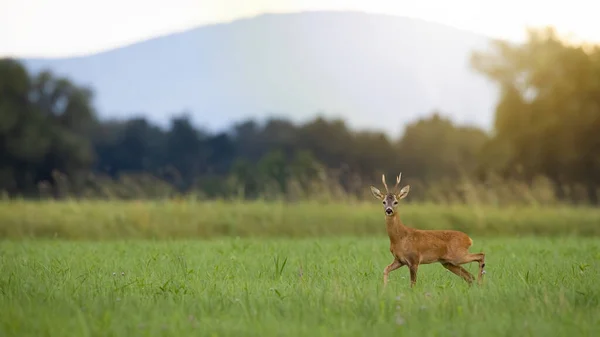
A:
<point x="548" y="117"/>
<point x="435" y="147"/>
<point x="190" y="218"/>
<point x="45" y="121"/>
<point x="316" y="287"/>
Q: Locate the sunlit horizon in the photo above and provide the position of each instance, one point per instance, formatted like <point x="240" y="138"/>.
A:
<point x="36" y="28"/>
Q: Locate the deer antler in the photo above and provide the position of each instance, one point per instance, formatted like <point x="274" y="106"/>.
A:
<point x="384" y="184"/>
<point x="397" y="182"/>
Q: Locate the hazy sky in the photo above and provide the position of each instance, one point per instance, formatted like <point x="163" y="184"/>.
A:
<point x="71" y="27"/>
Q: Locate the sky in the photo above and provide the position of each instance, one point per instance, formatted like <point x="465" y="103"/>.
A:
<point x="60" y="28"/>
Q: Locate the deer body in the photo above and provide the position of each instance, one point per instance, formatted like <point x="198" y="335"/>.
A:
<point x="412" y="247"/>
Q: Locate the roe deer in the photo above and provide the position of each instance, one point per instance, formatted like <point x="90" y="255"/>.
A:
<point x="412" y="247"/>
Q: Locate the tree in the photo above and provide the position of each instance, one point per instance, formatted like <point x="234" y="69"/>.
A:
<point x="549" y="112"/>
<point x="434" y="148"/>
<point x="185" y="153"/>
<point x="45" y="125"/>
<point x="131" y="146"/>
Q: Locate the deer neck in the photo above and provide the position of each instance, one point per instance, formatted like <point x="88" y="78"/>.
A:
<point x="395" y="228"/>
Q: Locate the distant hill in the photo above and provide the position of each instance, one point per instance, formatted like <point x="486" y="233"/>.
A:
<point x="375" y="71"/>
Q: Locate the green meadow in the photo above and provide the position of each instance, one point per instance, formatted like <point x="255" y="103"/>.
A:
<point x="258" y="269"/>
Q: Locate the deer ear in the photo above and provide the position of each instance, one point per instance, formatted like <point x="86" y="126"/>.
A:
<point x="403" y="192"/>
<point x="376" y="192"/>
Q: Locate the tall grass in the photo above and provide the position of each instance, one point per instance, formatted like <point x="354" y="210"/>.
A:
<point x="189" y="218"/>
<point x="328" y="187"/>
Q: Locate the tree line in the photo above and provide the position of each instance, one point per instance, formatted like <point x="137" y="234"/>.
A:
<point x="547" y="124"/>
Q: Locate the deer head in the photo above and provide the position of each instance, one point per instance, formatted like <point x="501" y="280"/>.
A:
<point x="390" y="199"/>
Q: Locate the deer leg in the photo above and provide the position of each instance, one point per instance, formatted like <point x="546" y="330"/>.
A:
<point x="460" y="271"/>
<point x="481" y="270"/>
<point x="479" y="257"/>
<point x="413" y="274"/>
<point x="391" y="267"/>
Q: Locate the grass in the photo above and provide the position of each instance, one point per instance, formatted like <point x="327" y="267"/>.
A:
<point x="106" y="220"/>
<point x="293" y="287"/>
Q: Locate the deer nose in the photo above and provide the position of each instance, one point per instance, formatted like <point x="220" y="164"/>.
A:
<point x="389" y="211"/>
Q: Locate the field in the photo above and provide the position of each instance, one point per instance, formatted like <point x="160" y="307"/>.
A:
<point x="67" y="269"/>
<point x="109" y="220"/>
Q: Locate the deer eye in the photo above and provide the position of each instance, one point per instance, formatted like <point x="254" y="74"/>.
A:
<point x="395" y="202"/>
<point x="384" y="202"/>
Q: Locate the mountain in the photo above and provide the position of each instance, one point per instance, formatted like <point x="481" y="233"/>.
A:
<point x="375" y="71"/>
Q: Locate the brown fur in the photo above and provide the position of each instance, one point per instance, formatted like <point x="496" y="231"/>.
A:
<point x="412" y="247"/>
